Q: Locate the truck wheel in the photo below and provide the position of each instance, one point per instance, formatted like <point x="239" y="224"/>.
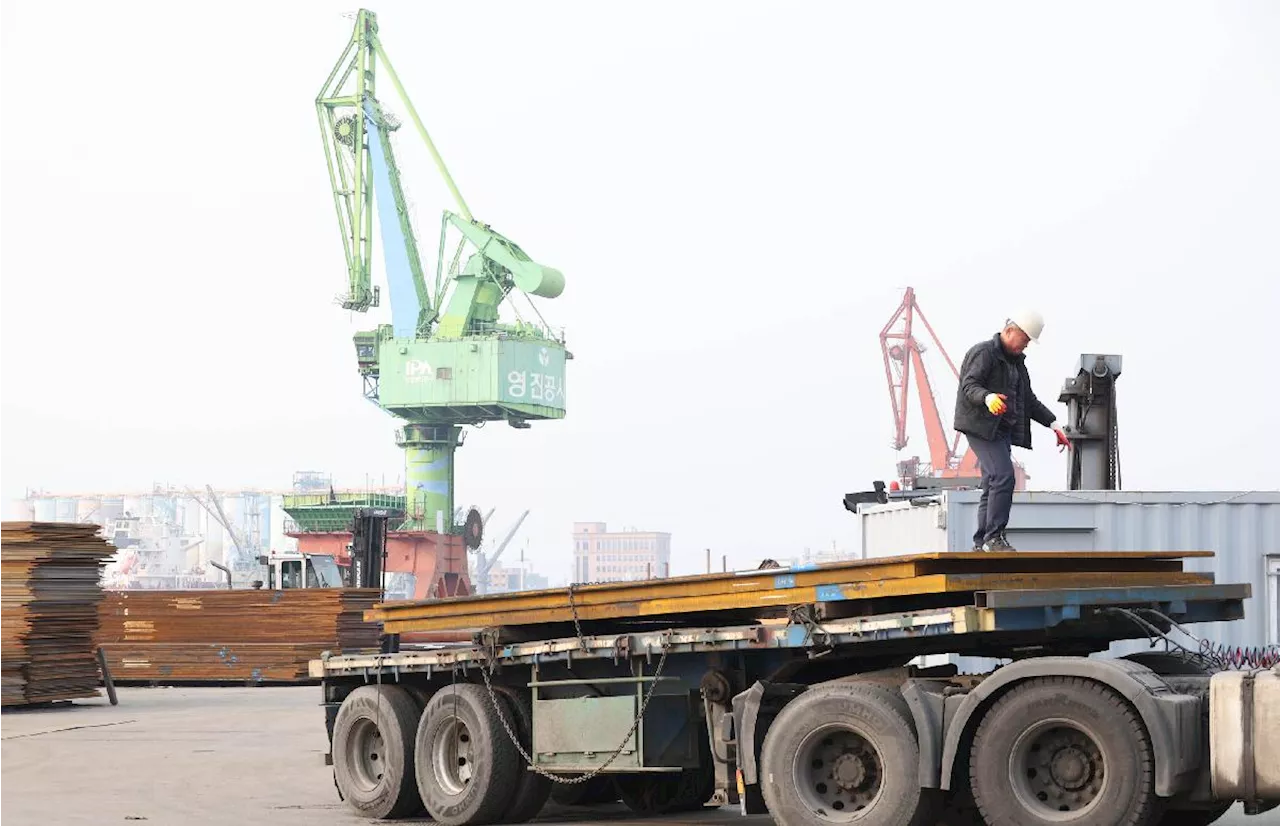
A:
<point x="466" y="765"/>
<point x="421" y="695"/>
<point x="373" y="752"/>
<point x="842" y="754"/>
<point x="1061" y="748"/>
<point x="532" y="789"/>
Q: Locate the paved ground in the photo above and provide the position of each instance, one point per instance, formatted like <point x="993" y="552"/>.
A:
<point x="245" y="756"/>
<point x="178" y="756"/>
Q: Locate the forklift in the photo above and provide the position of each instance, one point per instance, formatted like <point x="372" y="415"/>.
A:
<point x="368" y="550"/>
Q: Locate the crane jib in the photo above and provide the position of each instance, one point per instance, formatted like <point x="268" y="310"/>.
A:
<point x="404" y="296"/>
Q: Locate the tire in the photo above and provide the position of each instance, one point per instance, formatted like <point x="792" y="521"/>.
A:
<point x="699" y="783"/>
<point x="421" y="695"/>
<point x="466" y="765"/>
<point x="1193" y="817"/>
<point x="373" y="763"/>
<point x="808" y="743"/>
<point x="1054" y="745"/>
<point x="532" y="789"/>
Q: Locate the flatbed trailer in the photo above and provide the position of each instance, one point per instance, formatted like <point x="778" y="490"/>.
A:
<point x="791" y="691"/>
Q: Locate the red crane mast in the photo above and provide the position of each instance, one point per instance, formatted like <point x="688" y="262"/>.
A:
<point x="903" y="354"/>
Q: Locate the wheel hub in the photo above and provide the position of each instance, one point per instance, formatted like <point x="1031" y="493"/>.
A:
<point x="1071" y="768"/>
<point x="1057" y="768"/>
<point x="366" y="754"/>
<point x="452" y="757"/>
<point x="849" y="771"/>
<point x="838" y="774"/>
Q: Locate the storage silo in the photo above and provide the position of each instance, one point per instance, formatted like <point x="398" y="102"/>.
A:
<point x="265" y="518"/>
<point x="192" y="527"/>
<point x="213" y="540"/>
<point x="233" y="509"/>
<point x="24" y="510"/>
<point x="276" y="539"/>
<point x="44" y="509"/>
<point x="64" y="509"/>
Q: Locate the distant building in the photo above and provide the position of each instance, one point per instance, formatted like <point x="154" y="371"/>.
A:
<point x="600" y="555"/>
<point x="506" y="580"/>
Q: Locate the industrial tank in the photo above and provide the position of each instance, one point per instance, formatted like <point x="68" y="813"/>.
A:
<point x="64" y="509"/>
<point x="45" y="509"/>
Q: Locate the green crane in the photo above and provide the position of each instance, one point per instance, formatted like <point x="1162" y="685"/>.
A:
<point x="446" y="360"/>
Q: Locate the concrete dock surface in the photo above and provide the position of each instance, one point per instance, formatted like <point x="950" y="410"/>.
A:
<point x="246" y="756"/>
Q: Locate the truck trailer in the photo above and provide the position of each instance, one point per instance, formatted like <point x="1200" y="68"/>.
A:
<point x="792" y="691"/>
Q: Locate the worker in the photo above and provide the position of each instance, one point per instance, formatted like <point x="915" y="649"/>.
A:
<point x="994" y="410"/>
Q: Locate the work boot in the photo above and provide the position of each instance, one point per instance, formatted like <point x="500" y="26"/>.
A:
<point x="998" y="543"/>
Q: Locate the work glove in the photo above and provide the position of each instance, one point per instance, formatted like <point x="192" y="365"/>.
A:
<point x="1063" y="442"/>
<point x="995" y="403"/>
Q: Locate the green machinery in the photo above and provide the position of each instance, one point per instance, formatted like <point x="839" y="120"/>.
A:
<point x="446" y="360"/>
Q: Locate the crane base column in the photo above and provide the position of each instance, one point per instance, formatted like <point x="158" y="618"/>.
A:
<point x="428" y="464"/>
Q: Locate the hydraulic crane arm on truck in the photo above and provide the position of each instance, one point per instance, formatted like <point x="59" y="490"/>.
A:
<point x="791" y="690"/>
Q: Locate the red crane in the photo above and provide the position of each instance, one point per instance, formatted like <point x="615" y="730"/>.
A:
<point x="903" y="353"/>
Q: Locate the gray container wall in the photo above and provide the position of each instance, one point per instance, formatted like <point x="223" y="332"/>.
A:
<point x="1241" y="527"/>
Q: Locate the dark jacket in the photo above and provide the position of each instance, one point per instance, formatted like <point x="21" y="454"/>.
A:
<point x="987" y="368"/>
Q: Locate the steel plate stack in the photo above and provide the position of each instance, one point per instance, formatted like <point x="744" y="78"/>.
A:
<point x="49" y="588"/>
<point x="230" y="636"/>
<point x="945" y="579"/>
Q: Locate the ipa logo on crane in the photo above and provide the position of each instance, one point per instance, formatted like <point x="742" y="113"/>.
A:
<point x="417" y="371"/>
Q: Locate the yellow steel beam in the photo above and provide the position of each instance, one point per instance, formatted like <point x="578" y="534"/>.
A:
<point x="663" y="604"/>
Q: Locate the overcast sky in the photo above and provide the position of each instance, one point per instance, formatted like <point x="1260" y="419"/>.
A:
<point x="736" y="193"/>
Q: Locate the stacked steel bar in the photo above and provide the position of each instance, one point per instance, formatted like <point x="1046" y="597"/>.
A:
<point x="941" y="579"/>
<point x="230" y="636"/>
<point x="49" y="590"/>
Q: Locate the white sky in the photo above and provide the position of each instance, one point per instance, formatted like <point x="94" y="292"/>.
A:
<point x="736" y="194"/>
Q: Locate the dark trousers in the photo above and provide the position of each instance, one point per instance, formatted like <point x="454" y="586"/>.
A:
<point x="995" y="457"/>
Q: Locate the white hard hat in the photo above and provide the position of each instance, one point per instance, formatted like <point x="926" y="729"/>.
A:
<point x="1029" y="322"/>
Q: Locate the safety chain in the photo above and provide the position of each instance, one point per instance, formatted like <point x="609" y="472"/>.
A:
<point x="577" y="626"/>
<point x="571" y="781"/>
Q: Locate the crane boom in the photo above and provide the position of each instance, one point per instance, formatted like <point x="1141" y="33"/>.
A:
<point x="362" y="168"/>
